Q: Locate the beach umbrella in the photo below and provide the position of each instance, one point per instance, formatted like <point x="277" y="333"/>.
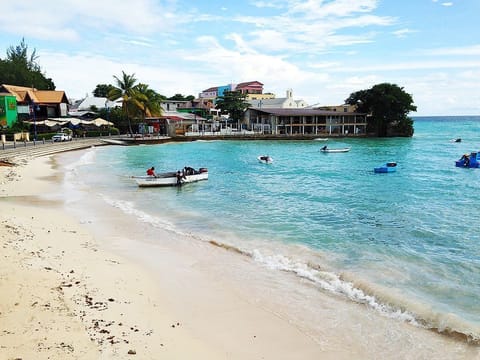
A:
<point x="101" y="122"/>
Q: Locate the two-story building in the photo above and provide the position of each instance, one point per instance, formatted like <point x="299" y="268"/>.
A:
<point x="250" y="87"/>
<point x="37" y="104"/>
<point x="304" y="122"/>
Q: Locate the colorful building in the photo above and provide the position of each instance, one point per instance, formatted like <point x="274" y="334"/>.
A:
<point x="37" y="104"/>
<point x="250" y="87"/>
<point x="8" y="110"/>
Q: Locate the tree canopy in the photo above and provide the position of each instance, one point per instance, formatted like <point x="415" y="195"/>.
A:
<point x="180" y="97"/>
<point x="102" y="90"/>
<point x="387" y="106"/>
<point x="20" y="68"/>
<point x="138" y="100"/>
<point x="233" y="103"/>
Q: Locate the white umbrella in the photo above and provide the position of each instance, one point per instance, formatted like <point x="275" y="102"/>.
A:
<point x="101" y="122"/>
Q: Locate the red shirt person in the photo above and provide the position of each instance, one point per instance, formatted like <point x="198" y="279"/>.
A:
<point x="151" y="172"/>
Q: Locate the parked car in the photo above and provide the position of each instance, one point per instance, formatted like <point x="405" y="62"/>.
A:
<point x="62" y="137"/>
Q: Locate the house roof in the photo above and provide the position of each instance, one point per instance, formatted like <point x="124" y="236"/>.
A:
<point x="27" y="94"/>
<point x="249" y="83"/>
<point x="214" y="88"/>
<point x="181" y="116"/>
<point x="302" y="112"/>
<point x="98" y="102"/>
<point x="50" y="96"/>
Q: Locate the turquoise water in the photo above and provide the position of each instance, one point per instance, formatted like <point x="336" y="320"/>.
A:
<point x="404" y="243"/>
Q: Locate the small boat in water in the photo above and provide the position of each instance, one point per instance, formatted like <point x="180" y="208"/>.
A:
<point x="456" y="140"/>
<point x="325" y="149"/>
<point x="265" y="159"/>
<point x="386" y="168"/>
<point x="471" y="160"/>
<point x="187" y="175"/>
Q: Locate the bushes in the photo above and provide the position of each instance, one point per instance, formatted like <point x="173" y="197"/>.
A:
<point x="96" y="133"/>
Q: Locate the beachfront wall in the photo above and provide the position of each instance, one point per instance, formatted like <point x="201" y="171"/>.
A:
<point x="305" y="122"/>
<point x="8" y="110"/>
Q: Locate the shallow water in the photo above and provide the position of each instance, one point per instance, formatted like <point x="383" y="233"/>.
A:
<point x="405" y="244"/>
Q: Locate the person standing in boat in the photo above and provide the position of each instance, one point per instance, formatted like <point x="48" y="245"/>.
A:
<point x="151" y="172"/>
<point x="324" y="148"/>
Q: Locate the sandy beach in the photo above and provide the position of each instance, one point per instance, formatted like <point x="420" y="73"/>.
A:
<point x="76" y="285"/>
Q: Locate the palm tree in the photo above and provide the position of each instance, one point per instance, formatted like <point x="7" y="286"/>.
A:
<point x="125" y="89"/>
<point x="149" y="101"/>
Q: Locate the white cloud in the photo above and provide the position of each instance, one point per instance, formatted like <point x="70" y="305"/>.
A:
<point x="402" y="33"/>
<point x="340" y="8"/>
<point x="447" y="4"/>
<point x="473" y="50"/>
<point x="266" y="4"/>
<point x="48" y="20"/>
<point x="313" y="26"/>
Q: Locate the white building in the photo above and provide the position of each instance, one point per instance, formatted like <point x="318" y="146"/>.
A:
<point x="287" y="102"/>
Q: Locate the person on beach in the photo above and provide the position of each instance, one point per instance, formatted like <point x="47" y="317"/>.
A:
<point x="151" y="172"/>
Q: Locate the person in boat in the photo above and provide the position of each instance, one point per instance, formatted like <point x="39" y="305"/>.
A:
<point x="466" y="160"/>
<point x="151" y="172"/>
<point x="188" y="170"/>
<point x="324" y="148"/>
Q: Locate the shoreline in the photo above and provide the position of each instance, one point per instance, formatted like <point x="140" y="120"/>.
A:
<point x="172" y="299"/>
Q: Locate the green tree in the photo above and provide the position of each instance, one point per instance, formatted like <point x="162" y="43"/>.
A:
<point x="180" y="97"/>
<point x="115" y="115"/>
<point x="125" y="90"/>
<point x="149" y="101"/>
<point x="102" y="90"/>
<point x="387" y="106"/>
<point x="233" y="103"/>
<point x="22" y="69"/>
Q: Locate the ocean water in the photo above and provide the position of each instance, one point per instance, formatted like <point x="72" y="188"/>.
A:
<point x="405" y="244"/>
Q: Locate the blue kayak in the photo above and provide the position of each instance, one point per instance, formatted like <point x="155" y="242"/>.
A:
<point x="386" y="168"/>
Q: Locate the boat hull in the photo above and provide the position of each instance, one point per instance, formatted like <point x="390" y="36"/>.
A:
<point x="150" y="181"/>
<point x="386" y="168"/>
<point x="335" y="150"/>
<point x="263" y="160"/>
<point x="471" y="160"/>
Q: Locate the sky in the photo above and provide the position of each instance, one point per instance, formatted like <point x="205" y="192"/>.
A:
<point x="323" y="50"/>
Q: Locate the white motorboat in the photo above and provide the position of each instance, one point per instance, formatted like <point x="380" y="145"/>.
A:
<point x="188" y="175"/>
<point x="338" y="150"/>
<point x="265" y="159"/>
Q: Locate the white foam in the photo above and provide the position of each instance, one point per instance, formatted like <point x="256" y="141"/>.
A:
<point x="333" y="283"/>
<point x="128" y="208"/>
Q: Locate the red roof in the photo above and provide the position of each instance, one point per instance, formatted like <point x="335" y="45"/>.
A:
<point x="211" y="89"/>
<point x="249" y="83"/>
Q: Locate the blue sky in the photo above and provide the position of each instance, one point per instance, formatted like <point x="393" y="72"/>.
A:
<point x="322" y="50"/>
